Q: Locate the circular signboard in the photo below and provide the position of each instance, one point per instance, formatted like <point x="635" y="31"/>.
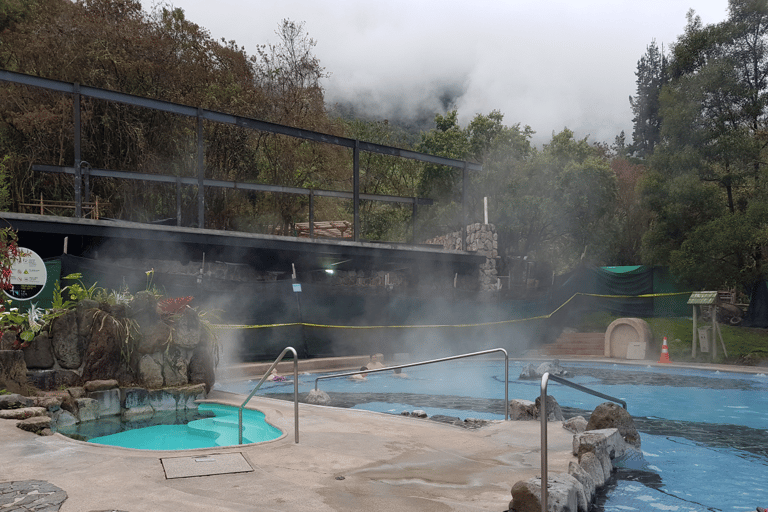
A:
<point x="28" y="276"/>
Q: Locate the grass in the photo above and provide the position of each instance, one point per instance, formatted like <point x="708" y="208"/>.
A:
<point x="744" y="345"/>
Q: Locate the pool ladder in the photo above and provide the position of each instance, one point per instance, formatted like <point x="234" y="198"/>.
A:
<point x="295" y="395"/>
<point x="543" y="417"/>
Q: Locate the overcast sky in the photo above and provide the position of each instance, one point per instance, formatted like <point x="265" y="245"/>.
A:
<point x="548" y="64"/>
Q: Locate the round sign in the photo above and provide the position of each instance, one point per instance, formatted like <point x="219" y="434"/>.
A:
<point x="28" y="276"/>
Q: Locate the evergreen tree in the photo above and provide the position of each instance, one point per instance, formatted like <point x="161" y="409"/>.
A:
<point x="651" y="73"/>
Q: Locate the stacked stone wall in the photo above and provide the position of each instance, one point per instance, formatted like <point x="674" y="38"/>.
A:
<point x="482" y="239"/>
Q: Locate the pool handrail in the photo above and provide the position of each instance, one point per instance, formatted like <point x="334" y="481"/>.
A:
<point x="431" y="361"/>
<point x="295" y="394"/>
<point x="543" y="417"/>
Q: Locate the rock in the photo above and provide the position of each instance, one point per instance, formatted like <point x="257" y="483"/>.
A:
<point x="68" y="346"/>
<point x="104" y="354"/>
<point x="566" y="493"/>
<point x="577" y="424"/>
<point x="109" y="401"/>
<point x="49" y="380"/>
<point x="525" y="410"/>
<point x="175" y="368"/>
<point x="150" y="372"/>
<point x="87" y="409"/>
<point x="64" y="418"/>
<point x="76" y="392"/>
<point x="186" y="332"/>
<point x="13" y="371"/>
<point x="50" y="403"/>
<point x="35" y="424"/>
<point x="552" y="368"/>
<point x="86" y="311"/>
<point x="597" y="442"/>
<point x="587" y="483"/>
<point x="589" y="463"/>
<point x="136" y="402"/>
<point x="522" y="410"/>
<point x="7" y="340"/>
<point x="530" y="372"/>
<point x="554" y="413"/>
<point x="154" y="338"/>
<point x="15" y="401"/>
<point x="318" y="397"/>
<point x="418" y="413"/>
<point x="99" y="385"/>
<point x="39" y="353"/>
<point x="22" y="413"/>
<point x="611" y="415"/>
<point x="526" y="497"/>
<point x="202" y="368"/>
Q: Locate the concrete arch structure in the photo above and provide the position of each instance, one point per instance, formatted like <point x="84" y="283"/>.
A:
<point x="627" y="338"/>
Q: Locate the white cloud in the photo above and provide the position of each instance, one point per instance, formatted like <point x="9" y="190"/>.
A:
<point x="548" y="64"/>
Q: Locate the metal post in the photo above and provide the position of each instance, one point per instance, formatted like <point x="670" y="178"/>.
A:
<point x="78" y="175"/>
<point x="356" y="188"/>
<point x="178" y="202"/>
<point x="200" y="171"/>
<point x="311" y="214"/>
<point x="464" y="181"/>
<point x="544" y="449"/>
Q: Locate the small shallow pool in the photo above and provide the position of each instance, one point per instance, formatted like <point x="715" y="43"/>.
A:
<point x="211" y="425"/>
<point x="704" y="433"/>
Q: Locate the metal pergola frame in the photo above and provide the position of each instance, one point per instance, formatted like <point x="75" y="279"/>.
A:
<point x="82" y="170"/>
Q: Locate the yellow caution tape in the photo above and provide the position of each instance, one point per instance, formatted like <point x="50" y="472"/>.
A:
<point x="435" y="326"/>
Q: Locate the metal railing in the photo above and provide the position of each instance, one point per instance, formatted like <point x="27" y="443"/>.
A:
<point x="543" y="417"/>
<point x="431" y="361"/>
<point x="295" y="395"/>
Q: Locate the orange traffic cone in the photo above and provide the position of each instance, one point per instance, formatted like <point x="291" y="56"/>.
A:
<point x="664" y="352"/>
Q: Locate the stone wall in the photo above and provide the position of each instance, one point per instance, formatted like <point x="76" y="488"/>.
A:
<point x="135" y="344"/>
<point x="482" y="239"/>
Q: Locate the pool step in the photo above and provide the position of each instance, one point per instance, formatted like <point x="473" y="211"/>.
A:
<point x="577" y="344"/>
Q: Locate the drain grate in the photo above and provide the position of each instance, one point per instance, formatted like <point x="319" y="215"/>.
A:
<point x="205" y="465"/>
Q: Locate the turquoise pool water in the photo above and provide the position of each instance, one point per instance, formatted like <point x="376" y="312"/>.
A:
<point x="704" y="433"/>
<point x="210" y="426"/>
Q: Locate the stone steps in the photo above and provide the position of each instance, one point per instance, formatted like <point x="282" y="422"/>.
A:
<point x="577" y="344"/>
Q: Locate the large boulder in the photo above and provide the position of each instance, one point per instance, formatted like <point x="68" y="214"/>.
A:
<point x="187" y="330"/>
<point x="564" y="493"/>
<point x="103" y="357"/>
<point x="318" y="397"/>
<point x="150" y="372"/>
<point x="13" y="371"/>
<point x="525" y="410"/>
<point x="175" y="368"/>
<point x="68" y="345"/>
<point x="531" y="372"/>
<point x="39" y="354"/>
<point x="611" y="415"/>
<point x="554" y="413"/>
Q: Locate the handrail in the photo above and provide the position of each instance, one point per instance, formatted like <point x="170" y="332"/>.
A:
<point x="543" y="417"/>
<point x="440" y="360"/>
<point x="295" y="395"/>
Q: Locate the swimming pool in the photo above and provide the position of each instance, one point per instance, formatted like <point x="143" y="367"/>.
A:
<point x="210" y="426"/>
<point x="704" y="435"/>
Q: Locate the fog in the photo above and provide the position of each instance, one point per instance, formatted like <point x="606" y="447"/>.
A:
<point x="548" y="65"/>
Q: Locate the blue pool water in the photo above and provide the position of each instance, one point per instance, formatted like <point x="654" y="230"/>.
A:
<point x="212" y="425"/>
<point x="704" y="433"/>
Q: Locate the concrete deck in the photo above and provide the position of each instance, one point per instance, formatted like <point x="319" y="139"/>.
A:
<point x="346" y="460"/>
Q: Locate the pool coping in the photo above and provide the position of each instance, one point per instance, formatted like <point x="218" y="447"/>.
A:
<point x="347" y="460"/>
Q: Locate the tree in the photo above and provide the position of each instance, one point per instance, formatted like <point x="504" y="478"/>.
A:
<point x="709" y="165"/>
<point x="651" y="76"/>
